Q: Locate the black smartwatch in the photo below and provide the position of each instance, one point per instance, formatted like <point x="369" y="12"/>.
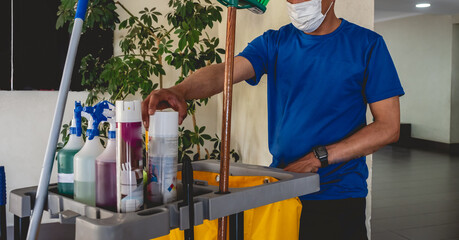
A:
<point x="321" y="153"/>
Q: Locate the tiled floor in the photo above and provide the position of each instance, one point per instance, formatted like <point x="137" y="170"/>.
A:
<point x="415" y="195"/>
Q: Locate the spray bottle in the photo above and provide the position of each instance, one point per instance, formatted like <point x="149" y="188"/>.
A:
<point x="162" y="157"/>
<point x="84" y="161"/>
<point x="106" y="166"/>
<point x="66" y="154"/>
<point x="129" y="164"/>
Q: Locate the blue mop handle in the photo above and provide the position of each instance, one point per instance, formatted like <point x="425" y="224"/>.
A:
<point x="42" y="189"/>
<point x="82" y="7"/>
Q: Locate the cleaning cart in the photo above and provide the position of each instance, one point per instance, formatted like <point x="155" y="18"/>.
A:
<point x="156" y="221"/>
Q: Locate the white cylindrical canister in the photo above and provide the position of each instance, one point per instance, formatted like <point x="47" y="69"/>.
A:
<point x="162" y="157"/>
<point x="129" y="164"/>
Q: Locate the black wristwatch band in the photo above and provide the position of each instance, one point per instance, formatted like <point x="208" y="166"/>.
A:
<point x="321" y="153"/>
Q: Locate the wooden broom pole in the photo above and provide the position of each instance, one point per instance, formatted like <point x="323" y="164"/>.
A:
<point x="226" y="120"/>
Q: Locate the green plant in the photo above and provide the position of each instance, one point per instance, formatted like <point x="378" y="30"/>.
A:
<point x="101" y="14"/>
<point x="146" y="48"/>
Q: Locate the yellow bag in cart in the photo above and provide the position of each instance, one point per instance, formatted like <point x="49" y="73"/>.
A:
<point x="280" y="220"/>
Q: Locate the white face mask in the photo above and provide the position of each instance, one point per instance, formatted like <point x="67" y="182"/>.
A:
<point x="307" y="16"/>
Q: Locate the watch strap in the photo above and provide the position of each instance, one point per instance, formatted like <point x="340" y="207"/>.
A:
<point x="321" y="153"/>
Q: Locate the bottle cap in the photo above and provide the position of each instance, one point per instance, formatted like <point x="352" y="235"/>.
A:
<point x="73" y="128"/>
<point x="163" y="124"/>
<point x="128" y="111"/>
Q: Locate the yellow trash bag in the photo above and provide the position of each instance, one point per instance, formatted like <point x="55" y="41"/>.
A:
<point x="276" y="221"/>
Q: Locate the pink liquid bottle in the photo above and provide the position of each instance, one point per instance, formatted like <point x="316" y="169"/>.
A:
<point x="106" y="166"/>
<point x="129" y="164"/>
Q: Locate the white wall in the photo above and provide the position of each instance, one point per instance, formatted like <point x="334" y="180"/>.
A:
<point x="421" y="47"/>
<point x="26" y="118"/>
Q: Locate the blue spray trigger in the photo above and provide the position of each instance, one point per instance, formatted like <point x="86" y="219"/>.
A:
<point x="88" y="113"/>
<point x="77" y="116"/>
<point x="95" y="115"/>
<point x="99" y="113"/>
<point x="110" y="116"/>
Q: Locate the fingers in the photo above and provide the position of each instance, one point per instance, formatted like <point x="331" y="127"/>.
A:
<point x="301" y="167"/>
<point x="145" y="115"/>
<point x="162" y="99"/>
<point x="180" y="106"/>
<point x="291" y="168"/>
<point x="155" y="98"/>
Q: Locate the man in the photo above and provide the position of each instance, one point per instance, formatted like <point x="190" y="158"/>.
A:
<point x="322" y="71"/>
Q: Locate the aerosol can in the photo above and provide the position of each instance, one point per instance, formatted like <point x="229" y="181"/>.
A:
<point x="84" y="162"/>
<point x="162" y="157"/>
<point x="106" y="166"/>
<point x="129" y="164"/>
<point x="65" y="155"/>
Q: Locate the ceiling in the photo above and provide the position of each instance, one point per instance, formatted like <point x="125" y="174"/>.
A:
<point x="392" y="9"/>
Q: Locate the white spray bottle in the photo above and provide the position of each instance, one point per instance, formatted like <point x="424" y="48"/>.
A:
<point x="84" y="161"/>
<point x="65" y="155"/>
<point x="106" y="166"/>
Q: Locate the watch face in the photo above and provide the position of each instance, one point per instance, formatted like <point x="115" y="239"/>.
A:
<point x="321" y="152"/>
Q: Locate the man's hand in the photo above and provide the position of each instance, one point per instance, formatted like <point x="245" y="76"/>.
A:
<point x="306" y="164"/>
<point x="162" y="99"/>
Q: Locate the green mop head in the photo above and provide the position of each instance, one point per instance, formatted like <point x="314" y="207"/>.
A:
<point x="256" y="6"/>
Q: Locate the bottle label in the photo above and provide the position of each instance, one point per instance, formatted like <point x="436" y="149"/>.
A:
<point x="162" y="180"/>
<point x="131" y="188"/>
<point x="65" y="178"/>
<point x="163" y="146"/>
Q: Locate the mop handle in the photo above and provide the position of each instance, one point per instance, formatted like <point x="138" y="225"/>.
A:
<point x="226" y="123"/>
<point x="42" y="190"/>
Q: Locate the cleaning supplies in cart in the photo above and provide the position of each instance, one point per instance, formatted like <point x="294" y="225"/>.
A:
<point x="162" y="157"/>
<point x="106" y="166"/>
<point x="129" y="164"/>
<point x="84" y="161"/>
<point x="65" y="155"/>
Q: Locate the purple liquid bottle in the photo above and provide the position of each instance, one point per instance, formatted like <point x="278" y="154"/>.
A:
<point x="129" y="164"/>
<point x="106" y="178"/>
<point x="106" y="167"/>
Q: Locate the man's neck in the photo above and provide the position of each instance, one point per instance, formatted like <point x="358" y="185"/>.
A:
<point x="330" y="24"/>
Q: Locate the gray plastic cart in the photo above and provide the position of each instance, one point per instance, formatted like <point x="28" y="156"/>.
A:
<point x="97" y="223"/>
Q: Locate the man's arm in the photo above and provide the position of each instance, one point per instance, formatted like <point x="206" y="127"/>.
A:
<point x="203" y="83"/>
<point x="384" y="130"/>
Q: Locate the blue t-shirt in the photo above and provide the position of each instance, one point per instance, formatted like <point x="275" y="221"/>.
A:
<point x="318" y="89"/>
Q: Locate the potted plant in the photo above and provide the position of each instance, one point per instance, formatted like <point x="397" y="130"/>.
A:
<point x="146" y="48"/>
